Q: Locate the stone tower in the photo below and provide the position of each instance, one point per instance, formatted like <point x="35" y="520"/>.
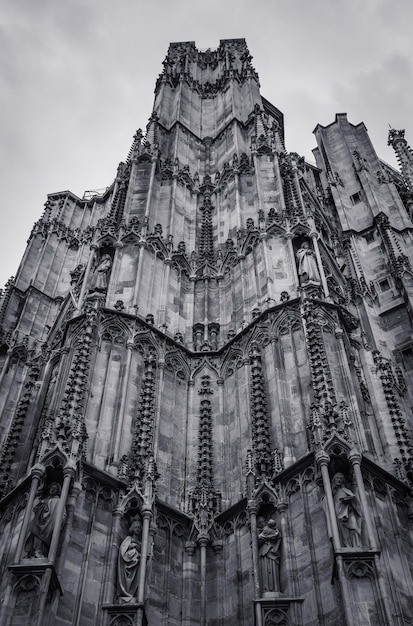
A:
<point x="206" y="382"/>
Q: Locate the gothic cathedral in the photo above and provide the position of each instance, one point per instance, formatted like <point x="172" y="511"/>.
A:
<point x="207" y="376"/>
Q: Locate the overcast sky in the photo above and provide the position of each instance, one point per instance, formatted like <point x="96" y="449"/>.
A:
<point x="77" y="79"/>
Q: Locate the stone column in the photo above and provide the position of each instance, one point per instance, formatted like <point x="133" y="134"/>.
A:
<point x="43" y="595"/>
<point x="37" y="473"/>
<point x="282" y="508"/>
<point x="323" y="459"/>
<point x="110" y="579"/>
<point x="5" y="365"/>
<point x="189" y="580"/>
<point x="252" y="510"/>
<point x="237" y="201"/>
<point x="348" y="613"/>
<point x="355" y="460"/>
<point x="146" y="517"/>
<point x="203" y="540"/>
<point x="71" y="505"/>
<point x="152" y="178"/>
<point x="68" y="473"/>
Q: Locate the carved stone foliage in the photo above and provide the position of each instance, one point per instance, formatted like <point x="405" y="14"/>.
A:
<point x="261" y="440"/>
<point x="4" y="301"/>
<point x="144" y="423"/>
<point x="293" y="204"/>
<point x="205" y="500"/>
<point x="45" y="227"/>
<point x="404" y="465"/>
<point x="118" y="202"/>
<point x="184" y="62"/>
<point x="68" y="427"/>
<point x="323" y="389"/>
<point x="12" y="440"/>
<point x="326" y="415"/>
<point x="399" y="262"/>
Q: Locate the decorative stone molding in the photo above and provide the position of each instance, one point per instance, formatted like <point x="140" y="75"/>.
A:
<point x="261" y="439"/>
<point x="144" y="424"/>
<point x="403" y="435"/>
<point x="12" y="440"/>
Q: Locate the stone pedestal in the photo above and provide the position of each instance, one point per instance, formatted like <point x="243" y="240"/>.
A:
<point x="32" y="586"/>
<point x="362" y="587"/>
<point x="277" y="609"/>
<point x="124" y="615"/>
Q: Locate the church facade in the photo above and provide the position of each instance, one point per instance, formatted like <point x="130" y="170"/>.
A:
<point x="206" y="388"/>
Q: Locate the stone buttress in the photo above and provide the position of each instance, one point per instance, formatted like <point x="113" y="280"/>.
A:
<point x="207" y="370"/>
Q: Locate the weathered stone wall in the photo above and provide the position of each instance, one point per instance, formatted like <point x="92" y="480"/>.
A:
<point x="204" y="385"/>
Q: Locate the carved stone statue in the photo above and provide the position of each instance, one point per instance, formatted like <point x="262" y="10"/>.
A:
<point x="128" y="562"/>
<point x="51" y="390"/>
<point x="348" y="512"/>
<point x="99" y="281"/>
<point x="269" y="548"/>
<point x="307" y="264"/>
<point x="42" y="523"/>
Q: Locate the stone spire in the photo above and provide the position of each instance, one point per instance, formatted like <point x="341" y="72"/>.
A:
<point x="404" y="155"/>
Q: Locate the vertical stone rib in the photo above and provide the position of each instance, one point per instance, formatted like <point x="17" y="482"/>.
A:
<point x="404" y="465"/>
<point x="204" y="496"/>
<point x="68" y="427"/>
<point x="10" y="445"/>
<point x="144" y="427"/>
<point x="206" y="244"/>
<point x="261" y="439"/>
<point x="404" y="155"/>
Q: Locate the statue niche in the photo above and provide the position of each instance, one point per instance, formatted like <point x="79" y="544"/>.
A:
<point x="128" y="562"/>
<point x="348" y="512"/>
<point x="100" y="277"/>
<point x="42" y="523"/>
<point x="269" y="554"/>
<point x="307" y="264"/>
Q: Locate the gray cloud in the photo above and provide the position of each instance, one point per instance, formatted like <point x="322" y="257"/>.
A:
<point x="77" y="79"/>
